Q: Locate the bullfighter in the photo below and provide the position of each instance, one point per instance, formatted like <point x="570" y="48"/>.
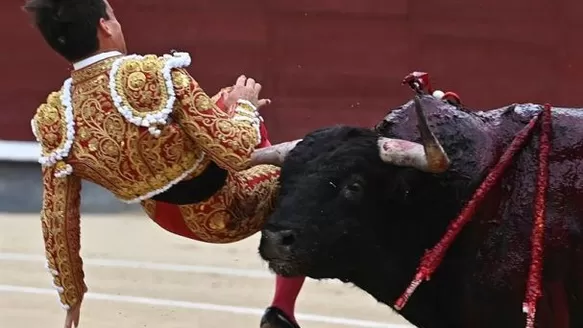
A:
<point x="143" y="128"/>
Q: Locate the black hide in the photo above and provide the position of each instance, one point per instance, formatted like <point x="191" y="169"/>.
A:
<point x="348" y="215"/>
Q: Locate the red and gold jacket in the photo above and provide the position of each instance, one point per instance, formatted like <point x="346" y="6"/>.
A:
<point x="135" y="125"/>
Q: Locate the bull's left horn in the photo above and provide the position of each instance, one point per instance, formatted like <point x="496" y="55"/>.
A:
<point x="427" y="157"/>
<point x="273" y="155"/>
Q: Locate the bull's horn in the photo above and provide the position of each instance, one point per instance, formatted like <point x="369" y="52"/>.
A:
<point x="273" y="155"/>
<point x="427" y="157"/>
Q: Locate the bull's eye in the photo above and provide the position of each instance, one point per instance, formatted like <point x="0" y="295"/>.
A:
<point x="352" y="190"/>
<point x="354" y="187"/>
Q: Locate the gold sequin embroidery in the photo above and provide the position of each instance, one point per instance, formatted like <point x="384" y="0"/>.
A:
<point x="141" y="85"/>
<point x="228" y="142"/>
<point x="49" y="123"/>
<point x="61" y="230"/>
<point x="238" y="210"/>
<point x="129" y="162"/>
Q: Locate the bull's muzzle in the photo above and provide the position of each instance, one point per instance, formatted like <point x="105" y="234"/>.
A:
<point x="276" y="245"/>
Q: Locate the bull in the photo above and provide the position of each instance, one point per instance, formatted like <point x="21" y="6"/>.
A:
<point x="365" y="205"/>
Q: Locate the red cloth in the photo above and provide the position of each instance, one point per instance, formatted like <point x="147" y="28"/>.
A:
<point x="286" y="294"/>
<point x="264" y="136"/>
<point x="168" y="217"/>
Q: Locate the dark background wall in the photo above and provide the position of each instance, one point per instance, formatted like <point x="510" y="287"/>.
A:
<point x="328" y="61"/>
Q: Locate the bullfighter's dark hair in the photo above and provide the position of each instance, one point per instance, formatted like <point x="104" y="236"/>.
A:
<point x="68" y="26"/>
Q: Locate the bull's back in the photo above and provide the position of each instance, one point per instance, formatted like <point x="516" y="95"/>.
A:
<point x="567" y="125"/>
<point x="497" y="242"/>
<point x="565" y="194"/>
<point x="505" y="252"/>
<point x="564" y="242"/>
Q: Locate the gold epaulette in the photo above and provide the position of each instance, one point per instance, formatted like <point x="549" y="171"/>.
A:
<point x="53" y="126"/>
<point x="142" y="89"/>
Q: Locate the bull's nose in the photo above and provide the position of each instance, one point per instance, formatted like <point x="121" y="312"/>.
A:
<point x="277" y="244"/>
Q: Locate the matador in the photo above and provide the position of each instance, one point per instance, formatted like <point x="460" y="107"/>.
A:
<point x="143" y="128"/>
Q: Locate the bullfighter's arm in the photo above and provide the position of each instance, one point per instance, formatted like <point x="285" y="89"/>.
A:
<point x="150" y="90"/>
<point x="60" y="204"/>
<point x="228" y="138"/>
<point x="61" y="232"/>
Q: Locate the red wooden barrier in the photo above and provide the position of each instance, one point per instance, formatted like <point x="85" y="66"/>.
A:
<point x="329" y="61"/>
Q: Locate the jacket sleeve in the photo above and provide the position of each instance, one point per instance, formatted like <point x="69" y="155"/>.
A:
<point x="61" y="233"/>
<point x="60" y="203"/>
<point x="228" y="138"/>
<point x="151" y="90"/>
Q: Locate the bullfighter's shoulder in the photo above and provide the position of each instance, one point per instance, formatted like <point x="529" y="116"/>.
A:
<point x="142" y="85"/>
<point x="51" y="125"/>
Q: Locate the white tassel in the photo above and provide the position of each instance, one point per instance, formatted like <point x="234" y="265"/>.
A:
<point x="438" y="94"/>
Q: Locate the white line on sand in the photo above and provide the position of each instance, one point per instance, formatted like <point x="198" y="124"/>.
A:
<point x="223" y="271"/>
<point x="247" y="273"/>
<point x="202" y="306"/>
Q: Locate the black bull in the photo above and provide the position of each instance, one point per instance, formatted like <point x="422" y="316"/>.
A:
<point x="344" y="213"/>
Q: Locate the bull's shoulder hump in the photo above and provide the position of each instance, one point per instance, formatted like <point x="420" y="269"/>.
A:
<point x="567" y="125"/>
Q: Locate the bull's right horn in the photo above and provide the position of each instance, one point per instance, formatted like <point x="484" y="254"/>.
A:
<point x="407" y="153"/>
<point x="273" y="155"/>
<point x="427" y="157"/>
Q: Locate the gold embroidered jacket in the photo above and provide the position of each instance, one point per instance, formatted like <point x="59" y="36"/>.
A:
<point x="134" y="125"/>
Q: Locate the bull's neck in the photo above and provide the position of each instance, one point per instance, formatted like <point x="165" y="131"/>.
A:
<point x="386" y="281"/>
<point x="474" y="142"/>
<point x="500" y="126"/>
<point x="388" y="261"/>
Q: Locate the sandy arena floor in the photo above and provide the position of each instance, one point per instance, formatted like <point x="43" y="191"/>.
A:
<point x="142" y="276"/>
